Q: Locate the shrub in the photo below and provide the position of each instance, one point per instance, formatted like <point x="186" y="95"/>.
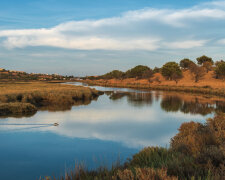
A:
<point x="197" y="71"/>
<point x="185" y="63"/>
<point x="156" y="70"/>
<point x="205" y="142"/>
<point x="171" y="71"/>
<point x="177" y="164"/>
<point x="220" y="69"/>
<point x="208" y="66"/>
<point x="114" y="74"/>
<point x="143" y="174"/>
<point x="138" y="72"/>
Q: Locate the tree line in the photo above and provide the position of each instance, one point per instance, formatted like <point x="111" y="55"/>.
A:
<point x="171" y="70"/>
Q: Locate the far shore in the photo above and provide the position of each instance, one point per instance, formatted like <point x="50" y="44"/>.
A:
<point x="204" y="88"/>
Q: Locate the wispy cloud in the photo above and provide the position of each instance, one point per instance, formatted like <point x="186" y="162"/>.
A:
<point x="146" y="29"/>
<point x="222" y="41"/>
<point x="185" y="44"/>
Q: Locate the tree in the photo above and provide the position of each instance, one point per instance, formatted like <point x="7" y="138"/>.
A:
<point x="203" y="59"/>
<point x="137" y="72"/>
<point x="114" y="74"/>
<point x="147" y="74"/>
<point x="156" y="70"/>
<point x="197" y="71"/>
<point x="220" y="69"/>
<point x="171" y="71"/>
<point x="208" y="66"/>
<point x="185" y="63"/>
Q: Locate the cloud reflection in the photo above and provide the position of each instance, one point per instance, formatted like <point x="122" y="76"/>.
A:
<point x="108" y="120"/>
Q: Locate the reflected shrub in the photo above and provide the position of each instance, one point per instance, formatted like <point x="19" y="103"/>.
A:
<point x="171" y="103"/>
<point x="140" y="99"/>
<point x="135" y="99"/>
<point x="197" y="108"/>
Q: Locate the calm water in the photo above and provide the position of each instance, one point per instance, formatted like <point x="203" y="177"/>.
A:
<point x="117" y="125"/>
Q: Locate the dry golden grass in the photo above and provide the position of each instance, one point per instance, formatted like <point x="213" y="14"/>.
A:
<point x="31" y="87"/>
<point x="17" y="109"/>
<point x="144" y="174"/>
<point x="51" y="96"/>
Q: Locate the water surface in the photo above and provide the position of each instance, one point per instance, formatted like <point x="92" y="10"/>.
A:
<point x="117" y="125"/>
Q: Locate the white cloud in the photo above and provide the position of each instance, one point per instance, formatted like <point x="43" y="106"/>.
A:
<point x="222" y="41"/>
<point x="145" y="29"/>
<point x="185" y="44"/>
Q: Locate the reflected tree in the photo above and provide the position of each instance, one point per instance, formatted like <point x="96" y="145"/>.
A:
<point x="197" y="108"/>
<point x="171" y="103"/>
<point x="140" y="99"/>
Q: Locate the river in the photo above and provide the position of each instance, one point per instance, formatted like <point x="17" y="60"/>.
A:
<point x="115" y="126"/>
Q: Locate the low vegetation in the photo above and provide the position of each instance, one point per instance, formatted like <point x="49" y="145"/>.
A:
<point x="185" y="76"/>
<point x="196" y="152"/>
<point x="21" y="98"/>
<point x="17" y="109"/>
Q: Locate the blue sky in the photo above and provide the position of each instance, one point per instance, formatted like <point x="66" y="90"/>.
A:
<point x="87" y="37"/>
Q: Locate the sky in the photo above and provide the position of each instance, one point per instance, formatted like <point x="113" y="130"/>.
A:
<point x="92" y="37"/>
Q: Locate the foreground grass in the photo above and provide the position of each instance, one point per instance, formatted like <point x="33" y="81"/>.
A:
<point x="26" y="97"/>
<point x="196" y="152"/>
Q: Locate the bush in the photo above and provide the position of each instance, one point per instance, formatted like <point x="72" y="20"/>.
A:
<point x="204" y="142"/>
<point x="156" y="70"/>
<point x="138" y="72"/>
<point x="197" y="71"/>
<point x="208" y="66"/>
<point x="220" y="69"/>
<point x="177" y="164"/>
<point x="171" y="71"/>
<point x="185" y="63"/>
<point x="113" y="74"/>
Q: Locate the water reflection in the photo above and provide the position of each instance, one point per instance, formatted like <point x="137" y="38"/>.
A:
<point x="137" y="99"/>
<point x="133" y="119"/>
<point x="192" y="104"/>
<point x="172" y="102"/>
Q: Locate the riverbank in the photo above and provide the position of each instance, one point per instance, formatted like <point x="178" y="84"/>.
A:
<point x="21" y="98"/>
<point x="145" y="84"/>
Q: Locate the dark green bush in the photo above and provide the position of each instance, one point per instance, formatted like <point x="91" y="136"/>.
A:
<point x="171" y="71"/>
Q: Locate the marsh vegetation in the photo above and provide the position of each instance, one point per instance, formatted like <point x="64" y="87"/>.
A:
<point x="24" y="98"/>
